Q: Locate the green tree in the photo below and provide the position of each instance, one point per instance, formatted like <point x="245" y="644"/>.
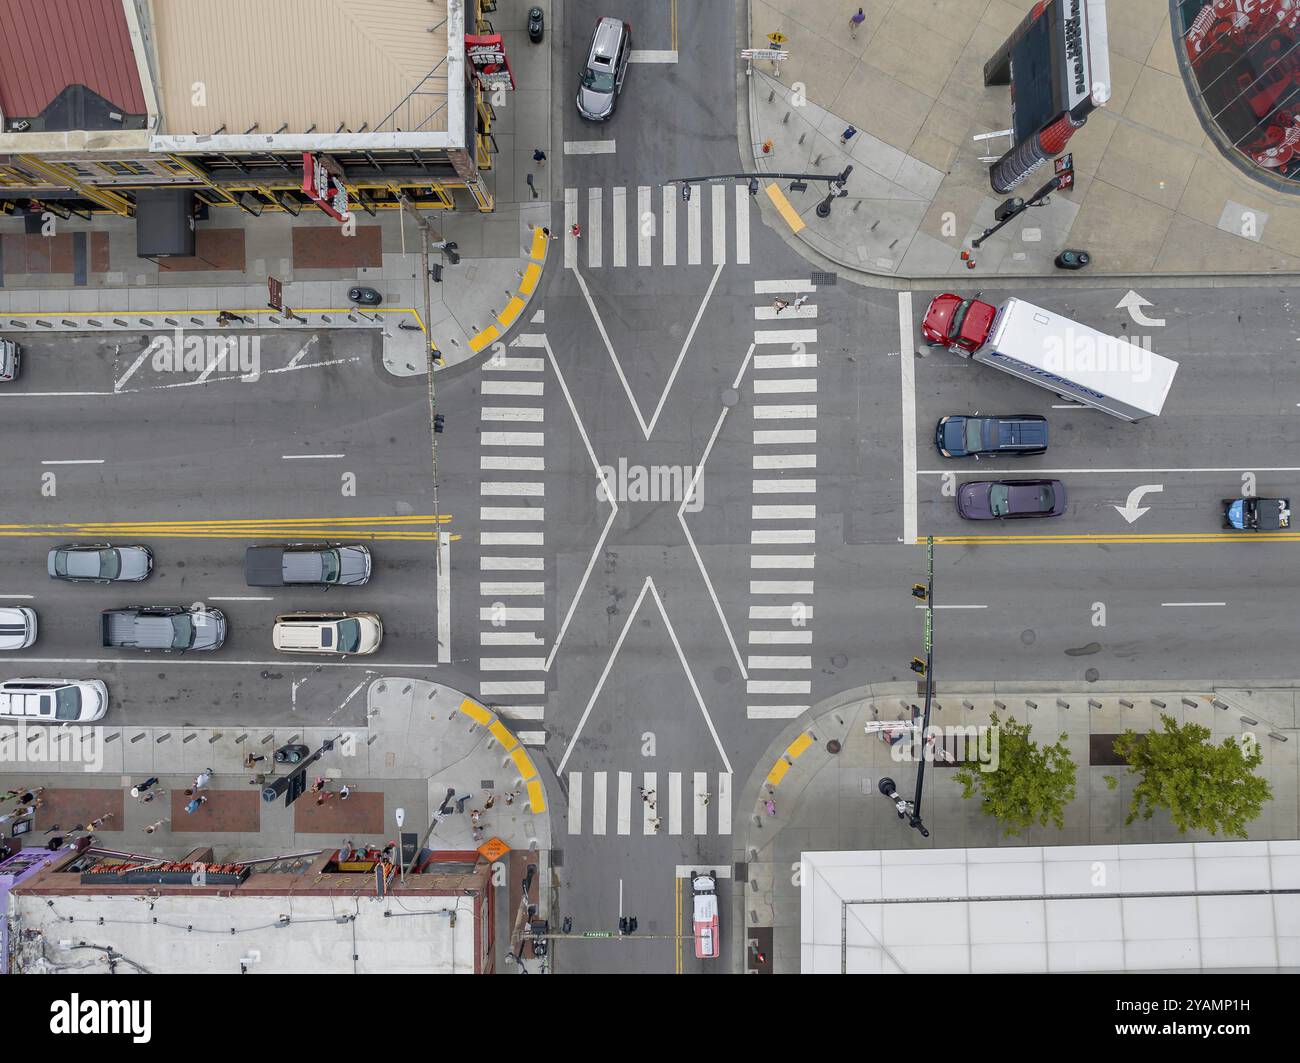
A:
<point x="1202" y="786"/>
<point x="1028" y="784"/>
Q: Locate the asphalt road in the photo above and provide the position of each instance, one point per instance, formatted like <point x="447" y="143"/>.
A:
<point x="113" y="446"/>
<point x="639" y="642"/>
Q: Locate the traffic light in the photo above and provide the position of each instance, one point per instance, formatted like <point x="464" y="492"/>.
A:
<point x="450" y="251"/>
<point x="437" y="422"/>
<point x="919" y="591"/>
<point x="631" y="924"/>
<point x="686" y="193"/>
<point x="918" y="666"/>
<point x="622" y="925"/>
<point x="753" y="186"/>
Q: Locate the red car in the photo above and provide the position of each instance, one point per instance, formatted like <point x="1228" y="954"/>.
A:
<point x="961" y="325"/>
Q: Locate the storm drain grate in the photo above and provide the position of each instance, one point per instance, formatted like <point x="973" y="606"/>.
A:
<point x="825" y="280"/>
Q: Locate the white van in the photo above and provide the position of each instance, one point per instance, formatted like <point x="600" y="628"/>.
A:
<point x="11" y="360"/>
<point x="339" y="633"/>
<point x="53" y="700"/>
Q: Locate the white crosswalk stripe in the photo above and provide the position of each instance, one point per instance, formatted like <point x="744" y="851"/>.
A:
<point x="511" y="606"/>
<point x="605" y="214"/>
<point x="683" y="802"/>
<point x="779" y="686"/>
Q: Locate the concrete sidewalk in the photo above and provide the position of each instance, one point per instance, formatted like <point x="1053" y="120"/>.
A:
<point x="830" y="801"/>
<point x="1153" y="194"/>
<point x="422" y="743"/>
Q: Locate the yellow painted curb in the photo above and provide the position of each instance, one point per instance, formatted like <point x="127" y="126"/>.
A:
<point x="797" y="747"/>
<point x="783" y="206"/>
<point x="778" y="772"/>
<point x="508" y="316"/>
<point x="502" y="734"/>
<point x="476" y="712"/>
<point x="523" y="762"/>
<point x="537" y="797"/>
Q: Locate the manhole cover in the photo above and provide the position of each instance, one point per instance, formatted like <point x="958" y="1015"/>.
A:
<point x="824" y="280"/>
<point x="730" y="397"/>
<point x="1092" y="675"/>
<point x="839" y="660"/>
<point x="722" y="675"/>
<point x="1028" y="637"/>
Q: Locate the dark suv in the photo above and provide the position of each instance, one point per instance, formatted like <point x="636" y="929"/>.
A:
<point x="964" y="437"/>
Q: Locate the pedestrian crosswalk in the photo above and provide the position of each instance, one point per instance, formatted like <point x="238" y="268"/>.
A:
<point x="651" y="226"/>
<point x="626" y="803"/>
<point x="783" y="511"/>
<point x="512" y="565"/>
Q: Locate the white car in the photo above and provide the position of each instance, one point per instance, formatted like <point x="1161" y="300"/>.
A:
<point x="17" y="627"/>
<point x="704" y="887"/>
<point x="53" y="700"/>
<point x="336" y="633"/>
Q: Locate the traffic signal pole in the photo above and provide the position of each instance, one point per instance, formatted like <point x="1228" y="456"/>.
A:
<point x="915" y="820"/>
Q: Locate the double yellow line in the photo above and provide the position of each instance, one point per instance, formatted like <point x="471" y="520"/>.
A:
<point x="417" y="527"/>
<point x="1174" y="538"/>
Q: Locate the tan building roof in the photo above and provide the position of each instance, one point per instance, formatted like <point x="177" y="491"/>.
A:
<point x="301" y="62"/>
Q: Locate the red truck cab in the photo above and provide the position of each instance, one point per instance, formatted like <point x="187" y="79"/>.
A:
<point x="961" y="325"/>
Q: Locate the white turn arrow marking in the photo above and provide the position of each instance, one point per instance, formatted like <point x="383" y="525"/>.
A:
<point x="1134" y="303"/>
<point x="1130" y="511"/>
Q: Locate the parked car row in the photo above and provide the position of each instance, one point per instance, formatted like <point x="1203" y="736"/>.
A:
<point x="184" y="628"/>
<point x="1015" y="435"/>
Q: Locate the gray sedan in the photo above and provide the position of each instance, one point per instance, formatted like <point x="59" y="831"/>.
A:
<point x="1010" y="499"/>
<point x="100" y="563"/>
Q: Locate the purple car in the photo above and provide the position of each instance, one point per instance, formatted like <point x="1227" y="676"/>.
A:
<point x="1010" y="499"/>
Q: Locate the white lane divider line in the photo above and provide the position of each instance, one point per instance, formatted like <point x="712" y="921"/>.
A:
<point x="777" y="287"/>
<point x="620" y="226"/>
<point x="670" y="225"/>
<point x="510" y="463"/>
<point x="592" y="236"/>
<point x="693" y="231"/>
<point x="644" y="222"/>
<point x="76" y="461"/>
<point x="956" y="607"/>
<point x="907" y="370"/>
<point x="719" y="220"/>
<point x="1188" y="605"/>
<point x="511" y="387"/>
<point x="786" y="337"/>
<point x="444" y="597"/>
<point x="293" y="362"/>
<point x="139" y="361"/>
<point x="237" y="598"/>
<point x="589" y="147"/>
<point x="742" y="225"/>
<point x="650" y="55"/>
<point x="529" y="490"/>
<point x="309" y="457"/>
<point x="575" y="802"/>
<point x="599" y="784"/>
<point x="570" y="244"/>
<point x="782" y="536"/>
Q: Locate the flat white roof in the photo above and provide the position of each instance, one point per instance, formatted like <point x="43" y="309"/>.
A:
<point x="417" y="938"/>
<point x="1101" y="908"/>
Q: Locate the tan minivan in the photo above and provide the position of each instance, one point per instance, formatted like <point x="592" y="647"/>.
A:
<point x="340" y="633"/>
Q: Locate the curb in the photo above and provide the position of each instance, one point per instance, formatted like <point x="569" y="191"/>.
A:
<point x="899" y="282"/>
<point x="535" y="261"/>
<point x="529" y="775"/>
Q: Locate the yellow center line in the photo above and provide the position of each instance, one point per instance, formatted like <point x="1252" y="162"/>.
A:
<point x="413" y="527"/>
<point x="677" y="925"/>
<point x="673" y="20"/>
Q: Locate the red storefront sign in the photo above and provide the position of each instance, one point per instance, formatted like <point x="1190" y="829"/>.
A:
<point x="487" y="58"/>
<point x="324" y="188"/>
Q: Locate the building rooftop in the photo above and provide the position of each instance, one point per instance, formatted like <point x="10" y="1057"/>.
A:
<point x="69" y="64"/>
<point x="1100" y="908"/>
<point x="302" y="64"/>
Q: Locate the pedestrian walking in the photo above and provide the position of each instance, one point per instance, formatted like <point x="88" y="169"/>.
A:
<point x="547" y="233"/>
<point x="344" y="791"/>
<point x="491" y="800"/>
<point x="800" y="300"/>
<point x="203" y="778"/>
<point x="142" y="787"/>
<point x="21" y="812"/>
<point x="575" y="230"/>
<point x="195" y="803"/>
<point x="770" y="805"/>
<point x="646" y="794"/>
<point x="855" y="21"/>
<point x="780" y="304"/>
<point x="7" y="817"/>
<point x="478" y="834"/>
<point x="706" y="798"/>
<point x="149" y="795"/>
<point x="251" y="758"/>
<point x="849" y="133"/>
<point x="325" y="795"/>
<point x="654" y="824"/>
<point x="154" y="826"/>
<point x="9" y="795"/>
<point x="318" y="784"/>
<point x="95" y="824"/>
<point x="475" y="817"/>
<point x="539" y="156"/>
<point x="510" y="798"/>
<point x="27" y="797"/>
